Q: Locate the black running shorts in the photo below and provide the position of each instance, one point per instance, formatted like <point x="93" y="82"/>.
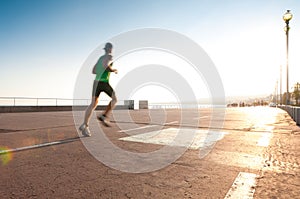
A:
<point x="98" y="87"/>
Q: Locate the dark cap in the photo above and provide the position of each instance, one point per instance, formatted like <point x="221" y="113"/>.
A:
<point x="108" y="46"/>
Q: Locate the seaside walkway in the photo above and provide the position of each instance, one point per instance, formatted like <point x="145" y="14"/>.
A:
<point x="255" y="153"/>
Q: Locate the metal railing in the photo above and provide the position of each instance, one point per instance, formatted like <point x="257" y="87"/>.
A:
<point x="38" y="101"/>
<point x="293" y="111"/>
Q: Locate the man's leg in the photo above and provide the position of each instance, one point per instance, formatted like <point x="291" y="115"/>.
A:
<point x="90" y="109"/>
<point x="111" y="105"/>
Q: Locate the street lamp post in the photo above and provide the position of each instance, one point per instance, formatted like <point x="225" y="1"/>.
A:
<point x="280" y="84"/>
<point x="287" y="17"/>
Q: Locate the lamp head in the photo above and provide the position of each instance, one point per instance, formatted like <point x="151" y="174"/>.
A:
<point x="287" y="16"/>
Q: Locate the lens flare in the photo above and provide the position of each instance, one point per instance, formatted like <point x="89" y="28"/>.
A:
<point x="5" y="155"/>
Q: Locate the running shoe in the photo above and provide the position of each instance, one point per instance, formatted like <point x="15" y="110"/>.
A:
<point x="104" y="121"/>
<point x="85" y="131"/>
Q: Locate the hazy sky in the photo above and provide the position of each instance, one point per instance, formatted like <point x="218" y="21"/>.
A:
<point x="44" y="43"/>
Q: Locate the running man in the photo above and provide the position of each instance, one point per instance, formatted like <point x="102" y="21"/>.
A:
<point x="102" y="69"/>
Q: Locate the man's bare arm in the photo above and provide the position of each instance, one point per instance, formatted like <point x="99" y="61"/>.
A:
<point x="110" y="69"/>
<point x="107" y="63"/>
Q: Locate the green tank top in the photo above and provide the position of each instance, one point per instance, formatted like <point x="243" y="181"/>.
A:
<point x="102" y="74"/>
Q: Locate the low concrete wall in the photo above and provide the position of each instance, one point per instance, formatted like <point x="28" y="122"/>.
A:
<point x="293" y="111"/>
<point x="143" y="104"/>
<point x="128" y="105"/>
<point x="18" y="109"/>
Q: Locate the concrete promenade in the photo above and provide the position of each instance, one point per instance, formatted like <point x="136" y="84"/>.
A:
<point x="254" y="154"/>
